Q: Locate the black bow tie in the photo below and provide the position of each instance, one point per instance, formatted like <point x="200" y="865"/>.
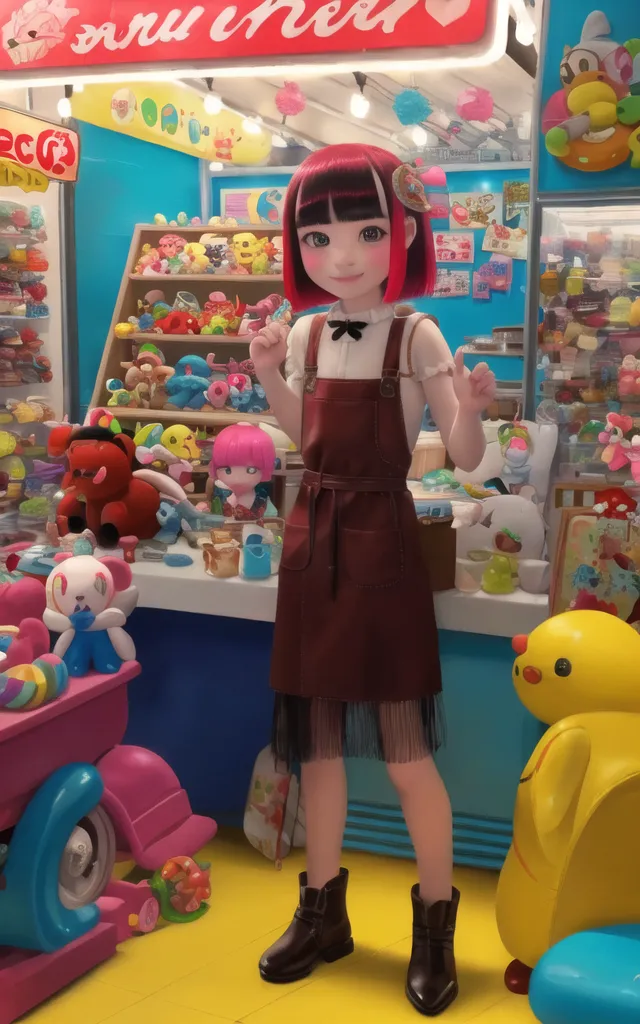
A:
<point x="353" y="328"/>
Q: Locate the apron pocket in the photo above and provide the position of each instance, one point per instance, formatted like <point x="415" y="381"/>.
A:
<point x="372" y="558"/>
<point x="296" y="550"/>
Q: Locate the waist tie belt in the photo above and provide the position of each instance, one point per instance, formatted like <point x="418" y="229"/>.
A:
<point x="328" y="482"/>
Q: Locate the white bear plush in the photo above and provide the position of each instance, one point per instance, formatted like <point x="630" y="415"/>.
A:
<point x="88" y="601"/>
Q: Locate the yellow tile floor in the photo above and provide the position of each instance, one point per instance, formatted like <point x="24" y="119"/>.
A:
<point x="206" y="972"/>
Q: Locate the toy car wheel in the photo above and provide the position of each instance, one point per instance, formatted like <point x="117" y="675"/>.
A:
<point x="87" y="861"/>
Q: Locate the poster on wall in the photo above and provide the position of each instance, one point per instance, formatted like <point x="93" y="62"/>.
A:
<point x="475" y="209"/>
<point x="456" y="247"/>
<point x="452" y="284"/>
<point x="516" y="202"/>
<point x="506" y="241"/>
<point x="171" y="115"/>
<point x="253" y="205"/>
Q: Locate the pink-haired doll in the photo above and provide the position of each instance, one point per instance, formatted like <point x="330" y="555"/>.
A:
<point x="243" y="459"/>
<point x="355" y="661"/>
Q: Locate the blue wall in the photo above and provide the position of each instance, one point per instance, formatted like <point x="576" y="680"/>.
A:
<point x="122" y="182"/>
<point x="458" y="317"/>
<point x="566" y="18"/>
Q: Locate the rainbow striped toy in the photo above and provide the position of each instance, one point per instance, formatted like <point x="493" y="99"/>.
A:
<point x="25" y="687"/>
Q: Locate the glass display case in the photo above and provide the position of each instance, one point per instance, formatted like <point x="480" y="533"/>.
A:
<point x="589" y="339"/>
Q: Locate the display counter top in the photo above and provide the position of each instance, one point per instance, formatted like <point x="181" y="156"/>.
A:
<point x="189" y="589"/>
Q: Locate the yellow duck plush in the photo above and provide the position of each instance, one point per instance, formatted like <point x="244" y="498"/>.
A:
<point x="573" y="864"/>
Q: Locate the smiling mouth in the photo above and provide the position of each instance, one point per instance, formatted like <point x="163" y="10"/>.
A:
<point x="347" y="278"/>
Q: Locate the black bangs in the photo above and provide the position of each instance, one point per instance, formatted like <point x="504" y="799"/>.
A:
<point x="353" y="194"/>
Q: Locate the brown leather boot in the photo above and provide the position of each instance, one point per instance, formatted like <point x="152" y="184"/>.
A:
<point x="320" y="930"/>
<point x="432" y="983"/>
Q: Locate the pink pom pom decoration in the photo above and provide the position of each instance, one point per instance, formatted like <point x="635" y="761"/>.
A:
<point x="475" y="104"/>
<point x="290" y="100"/>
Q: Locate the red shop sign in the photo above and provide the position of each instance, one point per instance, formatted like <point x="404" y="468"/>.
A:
<point x="40" y="36"/>
<point x="38" y="145"/>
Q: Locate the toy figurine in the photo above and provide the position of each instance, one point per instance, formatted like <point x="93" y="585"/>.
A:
<point x="515" y="444"/>
<point x="242" y="460"/>
<point x="355" y="661"/>
<point x="88" y="601"/>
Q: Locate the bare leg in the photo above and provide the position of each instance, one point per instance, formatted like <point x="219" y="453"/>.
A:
<point x="324" y="788"/>
<point x="427" y="812"/>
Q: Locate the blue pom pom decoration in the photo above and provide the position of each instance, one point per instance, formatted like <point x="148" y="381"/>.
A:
<point x="411" y="107"/>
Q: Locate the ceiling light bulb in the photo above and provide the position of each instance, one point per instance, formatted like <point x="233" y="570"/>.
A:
<point x="359" y="105"/>
<point x="419" y="136"/>
<point x="212" y="103"/>
<point x="251" y="126"/>
<point x="278" y="142"/>
<point x="64" y="107"/>
<point x="215" y="166"/>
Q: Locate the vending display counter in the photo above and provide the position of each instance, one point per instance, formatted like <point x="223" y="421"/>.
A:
<point x="203" y="702"/>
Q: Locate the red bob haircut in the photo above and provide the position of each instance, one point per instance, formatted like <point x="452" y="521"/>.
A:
<point x="346" y="175"/>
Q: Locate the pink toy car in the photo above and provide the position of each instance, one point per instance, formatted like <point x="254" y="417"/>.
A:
<point x="134" y="808"/>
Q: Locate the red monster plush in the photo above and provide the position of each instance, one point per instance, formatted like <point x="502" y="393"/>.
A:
<point x="178" y="323"/>
<point x="101" y="492"/>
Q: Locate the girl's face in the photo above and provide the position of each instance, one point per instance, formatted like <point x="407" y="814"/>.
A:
<point x="239" y="479"/>
<point x="347" y="258"/>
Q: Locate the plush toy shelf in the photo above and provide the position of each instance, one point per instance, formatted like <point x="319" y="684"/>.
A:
<point x="247" y="288"/>
<point x="211" y="417"/>
<point x="211" y="278"/>
<point x="207" y="339"/>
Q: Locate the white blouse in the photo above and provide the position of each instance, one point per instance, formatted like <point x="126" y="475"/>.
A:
<point x="348" y="359"/>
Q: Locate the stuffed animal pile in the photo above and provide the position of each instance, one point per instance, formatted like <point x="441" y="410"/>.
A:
<point x="195" y="382"/>
<point x="217" y="315"/>
<point x="241" y="254"/>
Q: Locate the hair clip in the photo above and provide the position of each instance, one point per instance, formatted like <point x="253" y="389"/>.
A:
<point x="409" y="189"/>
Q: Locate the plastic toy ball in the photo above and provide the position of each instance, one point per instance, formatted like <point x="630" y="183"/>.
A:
<point x="159" y="219"/>
<point x="183" y="220"/>
<point x="124" y="330"/>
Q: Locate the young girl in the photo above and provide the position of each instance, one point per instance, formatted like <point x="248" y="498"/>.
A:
<point x="355" y="661"/>
<point x="242" y="461"/>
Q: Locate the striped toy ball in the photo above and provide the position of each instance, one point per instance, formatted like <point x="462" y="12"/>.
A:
<point x="26" y="687"/>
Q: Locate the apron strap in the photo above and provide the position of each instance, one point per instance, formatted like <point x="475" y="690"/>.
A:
<point x="311" y="357"/>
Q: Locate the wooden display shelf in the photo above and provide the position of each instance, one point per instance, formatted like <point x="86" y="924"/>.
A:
<point x="247" y="287"/>
<point x="211" y="278"/>
<point x="211" y="229"/>
<point x="210" y="339"/>
<point x="202" y="418"/>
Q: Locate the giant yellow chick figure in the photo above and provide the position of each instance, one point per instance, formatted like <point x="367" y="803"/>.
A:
<point x="575" y="859"/>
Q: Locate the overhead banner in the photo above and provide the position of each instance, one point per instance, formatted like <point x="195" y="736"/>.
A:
<point x="171" y="115"/>
<point x="94" y="35"/>
<point x="37" y="146"/>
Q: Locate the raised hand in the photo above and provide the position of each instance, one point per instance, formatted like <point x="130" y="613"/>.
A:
<point x="269" y="348"/>
<point x="474" y="390"/>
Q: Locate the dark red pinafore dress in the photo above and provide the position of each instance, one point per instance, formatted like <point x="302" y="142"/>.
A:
<point x="355" y="662"/>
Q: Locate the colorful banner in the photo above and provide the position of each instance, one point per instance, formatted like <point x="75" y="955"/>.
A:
<point x="253" y="205"/>
<point x="457" y="247"/>
<point x="171" y="115"/>
<point x="38" y="145"/>
<point x="76" y="34"/>
<point x="14" y="176"/>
